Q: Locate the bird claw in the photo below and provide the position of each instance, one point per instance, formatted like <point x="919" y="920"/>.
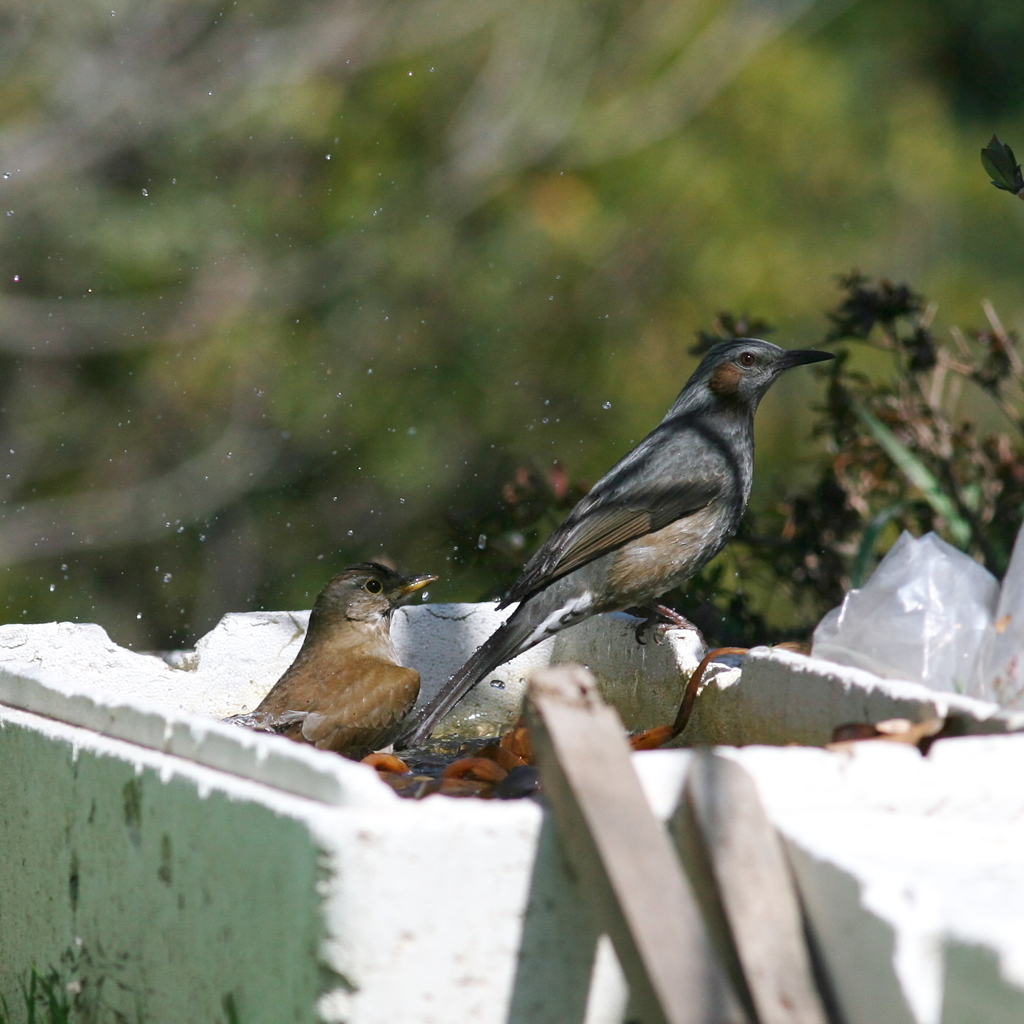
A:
<point x="657" y="618"/>
<point x="648" y="625"/>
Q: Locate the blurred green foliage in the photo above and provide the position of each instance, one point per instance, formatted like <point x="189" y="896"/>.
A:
<point x="287" y="286"/>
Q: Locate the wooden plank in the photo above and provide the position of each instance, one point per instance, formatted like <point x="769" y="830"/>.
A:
<point x="756" y="889"/>
<point x="623" y="855"/>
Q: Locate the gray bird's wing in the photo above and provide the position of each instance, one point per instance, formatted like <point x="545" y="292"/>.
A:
<point x="604" y="522"/>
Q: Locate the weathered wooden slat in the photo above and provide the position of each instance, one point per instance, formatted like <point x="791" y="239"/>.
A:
<point x="623" y="855"/>
<point x="756" y="890"/>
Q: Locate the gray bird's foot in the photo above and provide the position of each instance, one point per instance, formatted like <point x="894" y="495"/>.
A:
<point x="657" y="618"/>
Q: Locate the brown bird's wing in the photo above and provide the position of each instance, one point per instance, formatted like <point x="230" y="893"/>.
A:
<point x="595" y="528"/>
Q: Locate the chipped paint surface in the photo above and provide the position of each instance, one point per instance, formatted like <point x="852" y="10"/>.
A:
<point x="188" y="886"/>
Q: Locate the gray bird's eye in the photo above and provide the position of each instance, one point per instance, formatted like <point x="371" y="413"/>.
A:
<point x="748" y="359"/>
<point x="373" y="586"/>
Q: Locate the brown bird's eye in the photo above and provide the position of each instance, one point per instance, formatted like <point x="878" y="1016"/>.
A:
<point x="748" y="359"/>
<point x="373" y="586"/>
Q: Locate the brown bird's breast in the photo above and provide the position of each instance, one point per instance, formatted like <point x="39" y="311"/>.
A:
<point x="348" y="703"/>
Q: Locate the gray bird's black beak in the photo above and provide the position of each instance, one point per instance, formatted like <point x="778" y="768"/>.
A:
<point x="411" y="586"/>
<point x="800" y="356"/>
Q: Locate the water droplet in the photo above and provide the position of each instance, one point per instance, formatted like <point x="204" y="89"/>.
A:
<point x="144" y="192"/>
<point x="351" y="533"/>
<point x="498" y="684"/>
<point x="139" y="615"/>
<point x="606" y="405"/>
<point x="53" y="587"/>
<point x="167" y="577"/>
<point x="481" y="541"/>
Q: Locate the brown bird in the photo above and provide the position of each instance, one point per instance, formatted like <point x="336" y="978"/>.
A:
<point x="346" y="690"/>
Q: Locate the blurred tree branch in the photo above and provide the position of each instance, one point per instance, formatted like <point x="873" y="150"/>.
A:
<point x="716" y="53"/>
<point x="75" y="327"/>
<point x="146" y="511"/>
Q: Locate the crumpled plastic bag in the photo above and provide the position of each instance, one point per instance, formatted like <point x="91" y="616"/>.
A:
<point x="921" y="616"/>
<point x="999" y="668"/>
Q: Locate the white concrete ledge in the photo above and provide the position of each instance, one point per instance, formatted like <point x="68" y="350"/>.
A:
<point x="208" y="867"/>
<point x="781" y="697"/>
<point x="76" y="674"/>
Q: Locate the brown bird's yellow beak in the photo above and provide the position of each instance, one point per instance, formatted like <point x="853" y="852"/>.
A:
<point x="410" y="587"/>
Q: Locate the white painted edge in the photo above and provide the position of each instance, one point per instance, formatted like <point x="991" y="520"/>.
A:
<point x="776" y="668"/>
<point x="272" y="760"/>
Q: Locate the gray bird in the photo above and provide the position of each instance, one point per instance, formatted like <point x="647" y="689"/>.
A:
<point x="650" y="523"/>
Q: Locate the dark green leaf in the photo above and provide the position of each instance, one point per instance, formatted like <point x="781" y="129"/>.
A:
<point x="998" y="160"/>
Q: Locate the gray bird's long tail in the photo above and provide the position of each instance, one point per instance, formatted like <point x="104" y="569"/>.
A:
<point x="504" y="643"/>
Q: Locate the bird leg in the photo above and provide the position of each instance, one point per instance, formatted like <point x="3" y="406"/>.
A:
<point x="658" y="617"/>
